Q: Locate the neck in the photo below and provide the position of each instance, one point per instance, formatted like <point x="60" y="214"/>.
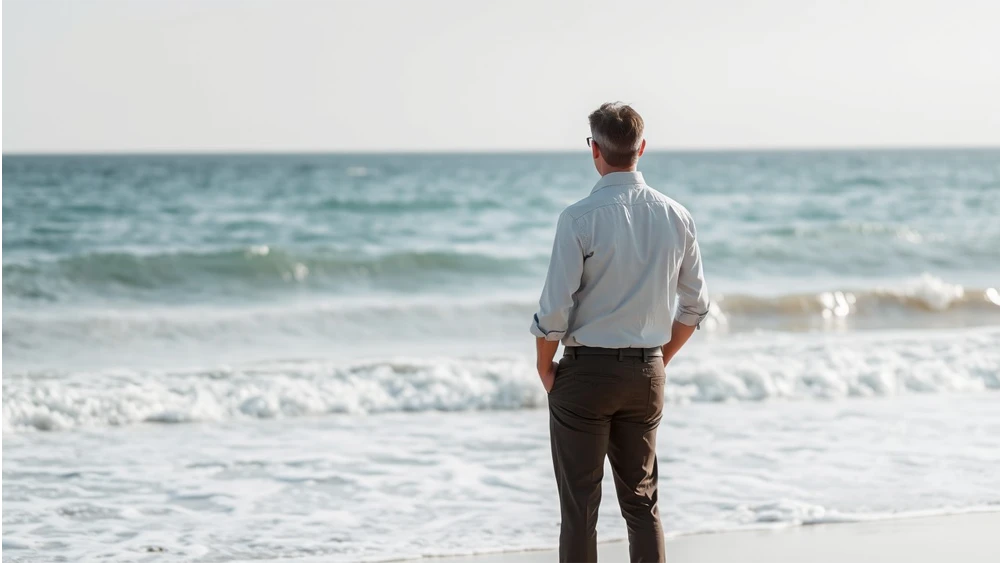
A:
<point x="605" y="170"/>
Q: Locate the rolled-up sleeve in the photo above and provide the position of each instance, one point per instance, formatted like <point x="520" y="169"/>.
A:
<point x="562" y="282"/>
<point x="692" y="293"/>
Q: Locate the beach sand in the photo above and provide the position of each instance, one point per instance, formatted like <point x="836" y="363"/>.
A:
<point x="969" y="538"/>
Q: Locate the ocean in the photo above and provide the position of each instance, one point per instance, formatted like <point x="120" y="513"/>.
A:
<point x="260" y="357"/>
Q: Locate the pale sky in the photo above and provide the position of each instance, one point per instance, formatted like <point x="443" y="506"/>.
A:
<point x="158" y="75"/>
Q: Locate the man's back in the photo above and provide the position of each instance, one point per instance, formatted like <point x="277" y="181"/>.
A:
<point x="636" y="252"/>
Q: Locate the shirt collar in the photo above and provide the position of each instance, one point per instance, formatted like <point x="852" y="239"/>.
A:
<point x="619" y="179"/>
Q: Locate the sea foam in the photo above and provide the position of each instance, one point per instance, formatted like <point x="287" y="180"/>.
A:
<point x="752" y="368"/>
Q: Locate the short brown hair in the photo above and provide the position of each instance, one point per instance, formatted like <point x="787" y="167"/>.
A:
<point x="617" y="130"/>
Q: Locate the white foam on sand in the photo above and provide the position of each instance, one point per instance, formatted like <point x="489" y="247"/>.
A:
<point x="406" y="485"/>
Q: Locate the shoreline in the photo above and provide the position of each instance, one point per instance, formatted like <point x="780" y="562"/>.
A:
<point x="969" y="537"/>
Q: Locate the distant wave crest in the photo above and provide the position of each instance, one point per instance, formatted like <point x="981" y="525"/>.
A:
<point x="920" y="296"/>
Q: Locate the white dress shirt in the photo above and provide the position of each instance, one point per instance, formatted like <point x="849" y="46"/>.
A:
<point x="622" y="257"/>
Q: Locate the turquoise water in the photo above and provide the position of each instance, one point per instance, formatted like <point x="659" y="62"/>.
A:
<point x="139" y="261"/>
<point x="195" y="229"/>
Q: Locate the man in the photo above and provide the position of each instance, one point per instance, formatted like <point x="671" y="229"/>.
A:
<point x="622" y="256"/>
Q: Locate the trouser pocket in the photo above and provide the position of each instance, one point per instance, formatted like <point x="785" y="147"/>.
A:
<point x="657" y="384"/>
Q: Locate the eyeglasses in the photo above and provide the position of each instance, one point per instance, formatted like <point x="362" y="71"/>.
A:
<point x="590" y="142"/>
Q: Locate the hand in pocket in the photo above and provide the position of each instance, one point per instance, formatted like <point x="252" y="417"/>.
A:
<point x="548" y="376"/>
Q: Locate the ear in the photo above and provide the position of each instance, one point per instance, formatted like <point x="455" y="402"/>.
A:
<point x="595" y="150"/>
<point x="642" y="147"/>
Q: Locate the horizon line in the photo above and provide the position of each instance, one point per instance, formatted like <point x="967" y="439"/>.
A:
<point x="472" y="152"/>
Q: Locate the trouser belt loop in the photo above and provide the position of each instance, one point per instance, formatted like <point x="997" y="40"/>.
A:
<point x="572" y="352"/>
<point x="645" y="354"/>
<point x="621" y="354"/>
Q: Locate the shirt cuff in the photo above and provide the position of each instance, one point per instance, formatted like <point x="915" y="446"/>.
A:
<point x="547" y="335"/>
<point x="690" y="317"/>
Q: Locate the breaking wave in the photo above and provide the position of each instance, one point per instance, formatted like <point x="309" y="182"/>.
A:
<point x="753" y="369"/>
